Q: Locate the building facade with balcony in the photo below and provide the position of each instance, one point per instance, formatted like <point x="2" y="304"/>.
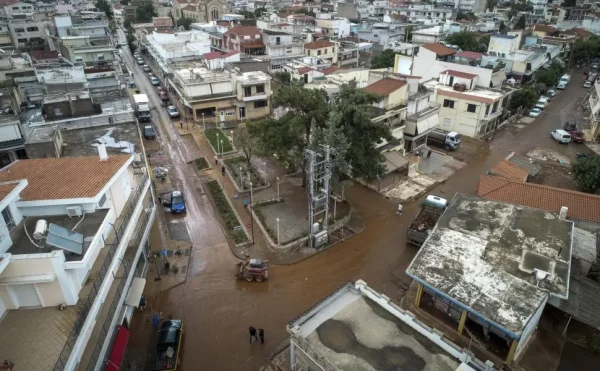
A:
<point x="347" y="54"/>
<point x="221" y="96"/>
<point x="75" y="236"/>
<point x="244" y="39"/>
<point x="334" y="28"/>
<point x="323" y="49"/>
<point x="281" y="48"/>
<point x="12" y="133"/>
<point x="29" y="31"/>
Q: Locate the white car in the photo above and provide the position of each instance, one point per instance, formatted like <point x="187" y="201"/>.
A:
<point x="561" y="136"/>
<point x="535" y="112"/>
<point x="561" y="86"/>
<point x="587" y="84"/>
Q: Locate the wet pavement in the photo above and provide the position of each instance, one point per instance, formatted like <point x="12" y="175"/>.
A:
<point x="217" y="309"/>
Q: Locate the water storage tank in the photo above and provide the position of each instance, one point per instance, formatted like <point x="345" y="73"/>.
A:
<point x="437" y="201"/>
<point x="40" y="229"/>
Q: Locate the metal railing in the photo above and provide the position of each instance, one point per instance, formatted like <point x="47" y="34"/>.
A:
<point x="314" y="357"/>
<point x="128" y="260"/>
<point x="430" y="109"/>
<point x="86" y="303"/>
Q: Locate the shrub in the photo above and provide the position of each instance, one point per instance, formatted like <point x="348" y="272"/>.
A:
<point x="201" y="163"/>
<point x="227" y="215"/>
<point x="211" y="136"/>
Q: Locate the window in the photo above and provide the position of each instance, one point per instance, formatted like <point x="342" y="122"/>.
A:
<point x="247" y="91"/>
<point x="8" y="218"/>
<point x="471" y="108"/>
<point x="15" y="8"/>
<point x="23" y="41"/>
<point x="487" y="110"/>
<point x="58" y="111"/>
<point x="100" y="57"/>
<point x="21" y="154"/>
<point x="19" y="30"/>
<point x="102" y="200"/>
<point x="260" y="104"/>
<point x="78" y="59"/>
<point x="260" y="89"/>
<point x="318" y="52"/>
<point x="495" y="106"/>
<point x="449" y="103"/>
<point x="32" y="29"/>
<point x="325" y="52"/>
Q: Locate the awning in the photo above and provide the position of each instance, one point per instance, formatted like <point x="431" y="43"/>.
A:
<point x="394" y="161"/>
<point x="135" y="292"/>
<point x="118" y="350"/>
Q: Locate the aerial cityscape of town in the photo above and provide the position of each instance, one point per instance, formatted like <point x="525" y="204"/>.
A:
<point x="299" y="185"/>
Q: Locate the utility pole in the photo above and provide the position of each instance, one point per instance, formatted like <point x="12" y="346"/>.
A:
<point x="319" y="179"/>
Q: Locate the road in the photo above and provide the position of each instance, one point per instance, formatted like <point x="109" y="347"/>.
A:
<point x="218" y="309"/>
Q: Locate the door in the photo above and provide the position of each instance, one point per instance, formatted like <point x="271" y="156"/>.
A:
<point x="222" y="116"/>
<point x="26" y="295"/>
<point x="242" y="113"/>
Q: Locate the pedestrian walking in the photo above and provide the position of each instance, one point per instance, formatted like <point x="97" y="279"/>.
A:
<point x="181" y="123"/>
<point x="261" y="335"/>
<point x="156" y="319"/>
<point x="245" y="202"/>
<point x="428" y="154"/>
<point x="252" y="331"/>
<point x="223" y="170"/>
<point x="399" y="212"/>
<point x="216" y="160"/>
<point x="142" y="306"/>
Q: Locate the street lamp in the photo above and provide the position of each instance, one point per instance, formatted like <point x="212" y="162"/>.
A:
<point x="203" y="123"/>
<point x="241" y="179"/>
<point x="231" y="137"/>
<point x="218" y="143"/>
<point x="251" y="216"/>
<point x="278" y="231"/>
<point x="222" y="149"/>
<point x="277" y="187"/>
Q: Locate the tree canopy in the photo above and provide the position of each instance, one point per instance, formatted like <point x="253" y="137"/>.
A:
<point x="520" y="25"/>
<point x="105" y="7"/>
<point x="525" y="97"/>
<point x="246" y="13"/>
<point x="384" y="60"/>
<point x="258" y="12"/>
<point x="466" y="41"/>
<point x="549" y="76"/>
<point x="519" y="6"/>
<point x="585" y="50"/>
<point x="145" y="11"/>
<point x="586" y="172"/>
<point x="185" y="22"/>
<point x="468" y="16"/>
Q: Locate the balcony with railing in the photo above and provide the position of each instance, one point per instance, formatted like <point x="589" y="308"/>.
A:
<point x="431" y="109"/>
<point x="96" y="299"/>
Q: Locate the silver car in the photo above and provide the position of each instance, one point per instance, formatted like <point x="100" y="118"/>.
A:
<point x="172" y="111"/>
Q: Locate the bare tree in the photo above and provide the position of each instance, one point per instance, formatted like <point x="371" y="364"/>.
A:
<point x="246" y="143"/>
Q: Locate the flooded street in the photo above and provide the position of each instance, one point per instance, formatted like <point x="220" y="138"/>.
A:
<point x="218" y="309"/>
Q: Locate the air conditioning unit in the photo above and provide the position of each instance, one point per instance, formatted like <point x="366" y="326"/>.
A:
<point x="74" y="211"/>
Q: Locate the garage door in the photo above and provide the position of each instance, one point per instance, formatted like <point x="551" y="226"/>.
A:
<point x="26" y="295"/>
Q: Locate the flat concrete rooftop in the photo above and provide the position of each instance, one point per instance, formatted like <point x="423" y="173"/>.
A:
<point x="354" y="333"/>
<point x="88" y="227"/>
<point x="483" y="253"/>
<point x="119" y="139"/>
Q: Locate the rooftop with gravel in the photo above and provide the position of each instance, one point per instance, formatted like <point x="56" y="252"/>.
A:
<point x="484" y="255"/>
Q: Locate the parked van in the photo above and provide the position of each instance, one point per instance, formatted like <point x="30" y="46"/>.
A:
<point x="561" y="136"/>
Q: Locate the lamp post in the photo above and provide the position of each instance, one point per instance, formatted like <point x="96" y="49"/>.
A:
<point x="231" y="137"/>
<point x="251" y="216"/>
<point x="241" y="179"/>
<point x="218" y="143"/>
<point x="203" y="123"/>
<point x="222" y="146"/>
<point x="277" y="187"/>
<point x="278" y="231"/>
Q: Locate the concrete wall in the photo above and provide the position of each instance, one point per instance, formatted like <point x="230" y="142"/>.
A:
<point x="457" y="118"/>
<point x="530" y="327"/>
<point x="429" y="68"/>
<point x="396" y="98"/>
<point x="50" y="293"/>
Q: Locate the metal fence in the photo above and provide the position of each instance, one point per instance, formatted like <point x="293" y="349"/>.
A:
<point x="111" y="246"/>
<point x="128" y="261"/>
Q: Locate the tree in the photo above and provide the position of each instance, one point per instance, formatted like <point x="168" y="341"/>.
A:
<point x="520" y="24"/>
<point x="332" y="135"/>
<point x="112" y="26"/>
<point x="105" y="7"/>
<point x="384" y="60"/>
<point x="569" y="3"/>
<point x="185" y="22"/>
<point x="584" y="50"/>
<point x="586" y="172"/>
<point x="145" y="11"/>
<point x="246" y="142"/>
<point x="276" y="137"/>
<point x="524" y="97"/>
<point x="283" y="77"/>
<point x="546" y="76"/>
<point x="409" y="33"/>
<point x="258" y="12"/>
<point x="519" y="6"/>
<point x="502" y="28"/>
<point x="467" y="16"/>
<point x="491" y="4"/>
<point x="247" y="14"/>
<point x="131" y="42"/>
<point x="351" y="111"/>
<point x="466" y="41"/>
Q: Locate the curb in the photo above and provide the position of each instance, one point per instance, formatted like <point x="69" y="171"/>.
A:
<point x="236" y="186"/>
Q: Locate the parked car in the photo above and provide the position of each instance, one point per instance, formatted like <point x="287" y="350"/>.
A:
<point x="561" y="86"/>
<point x="576" y="135"/>
<point x="539" y="106"/>
<point x="543" y="101"/>
<point x="561" y="136"/>
<point x="163" y="95"/>
<point x="140" y="61"/>
<point x="594" y="65"/>
<point x="176" y="202"/>
<point x="146" y="68"/>
<point x="154" y="81"/>
<point x="535" y="112"/>
<point x="149" y="132"/>
<point x="170" y="339"/>
<point x="587" y="84"/>
<point x="551" y="93"/>
<point x="137" y="55"/>
<point x="172" y="111"/>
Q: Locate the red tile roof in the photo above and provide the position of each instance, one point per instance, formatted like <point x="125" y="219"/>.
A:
<point x="460" y="74"/>
<point x="243" y="31"/>
<point x="212" y="55"/>
<point x="439" y="49"/>
<point x="543" y="28"/>
<point x="229" y="54"/>
<point x="385" y="86"/>
<point x="303" y="70"/>
<point x="43" y="54"/>
<point x="510" y="170"/>
<point x="330" y="70"/>
<point x="318" y="44"/>
<point x="6" y="188"/>
<point x="62" y="178"/>
<point x="577" y="31"/>
<point x="470" y="55"/>
<point x="581" y="205"/>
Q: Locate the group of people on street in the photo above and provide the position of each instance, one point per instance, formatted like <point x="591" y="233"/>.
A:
<point x="261" y="335"/>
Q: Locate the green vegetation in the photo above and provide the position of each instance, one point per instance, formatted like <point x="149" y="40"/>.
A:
<point x="467" y="41"/>
<point x="247" y="14"/>
<point x="521" y="25"/>
<point x="104" y="6"/>
<point x="249" y="174"/>
<point x="211" y="136"/>
<point x="384" y="60"/>
<point x="519" y="6"/>
<point x="549" y="76"/>
<point x="201" y="163"/>
<point x="525" y="97"/>
<point x="585" y="50"/>
<point x="586" y="173"/>
<point x="145" y="11"/>
<point x="283" y="77"/>
<point x="232" y="224"/>
<point x="185" y="22"/>
<point x="465" y="16"/>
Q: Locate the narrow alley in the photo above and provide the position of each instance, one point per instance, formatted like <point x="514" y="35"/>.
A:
<point x="217" y="308"/>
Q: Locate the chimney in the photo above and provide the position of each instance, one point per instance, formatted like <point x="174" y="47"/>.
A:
<point x="102" y="152"/>
<point x="563" y="213"/>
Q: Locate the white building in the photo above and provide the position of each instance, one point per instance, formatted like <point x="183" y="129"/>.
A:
<point x="167" y="46"/>
<point x="74" y="234"/>
<point x="475" y="6"/>
<point x="502" y="45"/>
<point x="429" y="35"/>
<point x="334" y="27"/>
<point x="281" y="48"/>
<point x="423" y="12"/>
<point x="11" y="7"/>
